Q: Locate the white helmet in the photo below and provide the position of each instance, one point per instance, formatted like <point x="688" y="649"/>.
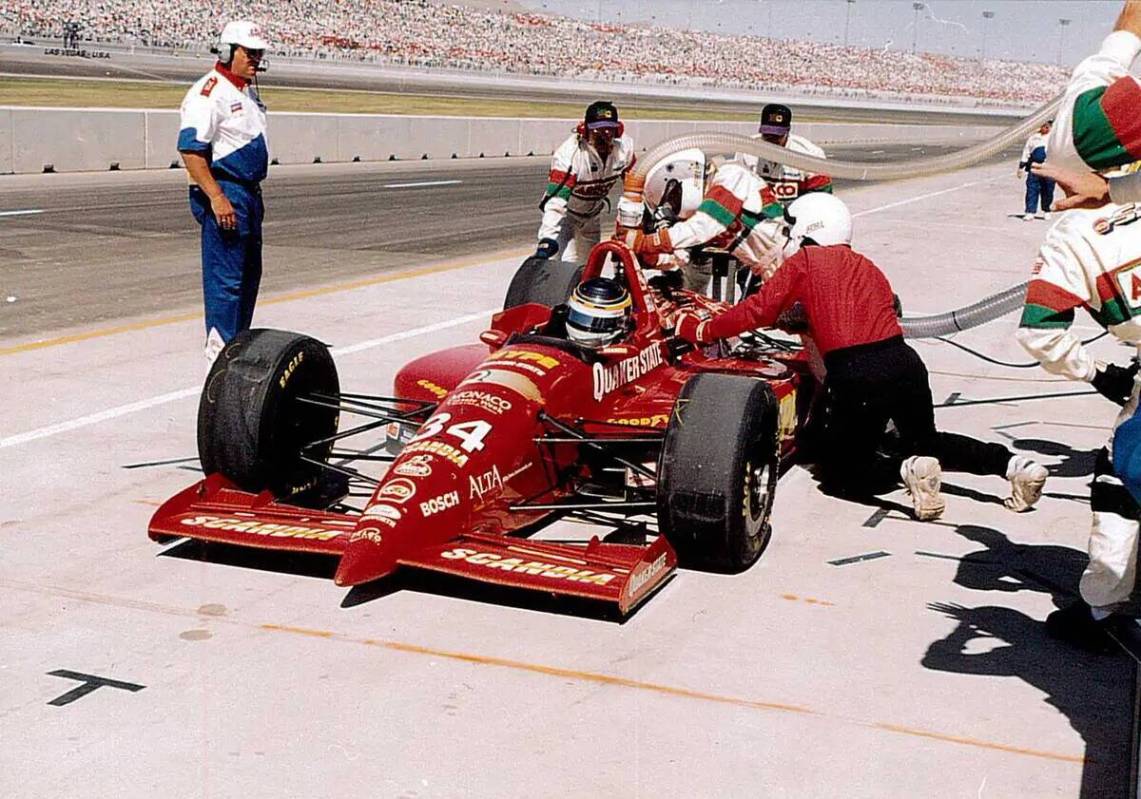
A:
<point x="677" y="182"/>
<point x="241" y="33"/>
<point x="821" y="217"/>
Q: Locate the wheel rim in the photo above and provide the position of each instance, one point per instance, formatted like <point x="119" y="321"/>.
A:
<point x="757" y="495"/>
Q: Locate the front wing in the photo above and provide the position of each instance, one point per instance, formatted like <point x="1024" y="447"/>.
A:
<point x="617" y="574"/>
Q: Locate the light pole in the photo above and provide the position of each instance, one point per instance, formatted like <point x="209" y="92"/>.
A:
<point x="847" y="19"/>
<point x="987" y="16"/>
<point x="1062" y="24"/>
<point x="916" y="7"/>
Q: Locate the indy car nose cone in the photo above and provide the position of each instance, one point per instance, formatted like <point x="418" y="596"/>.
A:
<point x="361" y="563"/>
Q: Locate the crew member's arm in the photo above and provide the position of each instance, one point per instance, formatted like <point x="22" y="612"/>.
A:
<point x="1094" y="128"/>
<point x="776" y="295"/>
<point x="560" y="182"/>
<point x="197" y="126"/>
<point x="721" y="207"/>
<point x="811" y="181"/>
<point x="1060" y="286"/>
<point x="1024" y="159"/>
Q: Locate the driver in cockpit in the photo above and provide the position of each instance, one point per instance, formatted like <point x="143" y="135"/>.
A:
<point x="599" y="313"/>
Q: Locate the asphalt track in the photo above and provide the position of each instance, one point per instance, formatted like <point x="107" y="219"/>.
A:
<point x="82" y="250"/>
<point x="865" y="655"/>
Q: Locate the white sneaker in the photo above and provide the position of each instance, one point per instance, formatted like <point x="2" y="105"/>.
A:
<point x="922" y="476"/>
<point x="1039" y="215"/>
<point x="1027" y="479"/>
<point x="1046" y="215"/>
<point x="1027" y="217"/>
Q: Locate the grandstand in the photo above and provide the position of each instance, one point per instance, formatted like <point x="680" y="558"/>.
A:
<point x="416" y="33"/>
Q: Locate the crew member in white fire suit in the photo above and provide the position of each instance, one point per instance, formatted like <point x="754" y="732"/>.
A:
<point x="787" y="182"/>
<point x="1092" y="259"/>
<point x="584" y="169"/>
<point x="1097" y="127"/>
<point x="697" y="202"/>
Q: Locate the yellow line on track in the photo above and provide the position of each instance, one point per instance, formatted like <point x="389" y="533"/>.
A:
<point x="668" y="690"/>
<point x="391" y="277"/>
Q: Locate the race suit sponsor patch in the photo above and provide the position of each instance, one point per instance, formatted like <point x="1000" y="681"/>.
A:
<point x="261" y="528"/>
<point x="491" y="560"/>
<point x="611" y="378"/>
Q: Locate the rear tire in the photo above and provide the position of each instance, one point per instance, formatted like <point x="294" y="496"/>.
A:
<point x="251" y="426"/>
<point x="542" y="281"/>
<point x="718" y="472"/>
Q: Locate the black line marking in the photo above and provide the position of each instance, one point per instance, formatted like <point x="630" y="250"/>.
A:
<point x="961" y="559"/>
<point x="90" y="683"/>
<point x="858" y="558"/>
<point x="1024" y="398"/>
<point x="1013" y="424"/>
<point x="170" y="462"/>
<point x="952" y="398"/>
<point x="877" y="517"/>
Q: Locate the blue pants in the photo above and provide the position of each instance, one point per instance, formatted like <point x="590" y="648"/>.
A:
<point x="1038" y="188"/>
<point x="231" y="259"/>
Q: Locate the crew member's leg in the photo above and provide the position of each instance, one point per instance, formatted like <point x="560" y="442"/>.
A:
<point x="251" y="269"/>
<point x="223" y="259"/>
<point x="1033" y="186"/>
<point x="1047" y="190"/>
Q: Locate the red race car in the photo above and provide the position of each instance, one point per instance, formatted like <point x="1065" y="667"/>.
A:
<point x="501" y="437"/>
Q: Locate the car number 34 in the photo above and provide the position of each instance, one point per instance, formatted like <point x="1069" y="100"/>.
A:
<point x="470" y="434"/>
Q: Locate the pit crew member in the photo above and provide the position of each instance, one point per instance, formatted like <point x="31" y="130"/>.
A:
<point x="584" y="169"/>
<point x="873" y="376"/>
<point x="222" y="139"/>
<point x="787" y="182"/>
<point x="1092" y="259"/>
<point x="696" y="202"/>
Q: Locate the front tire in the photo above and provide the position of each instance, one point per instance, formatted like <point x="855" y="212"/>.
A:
<point x="718" y="472"/>
<point x="252" y="426"/>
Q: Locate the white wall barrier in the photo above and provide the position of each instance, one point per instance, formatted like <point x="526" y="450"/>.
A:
<point x="85" y="139"/>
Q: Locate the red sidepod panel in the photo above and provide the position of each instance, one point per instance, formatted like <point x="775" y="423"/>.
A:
<point x="431" y="377"/>
<point x="473" y="459"/>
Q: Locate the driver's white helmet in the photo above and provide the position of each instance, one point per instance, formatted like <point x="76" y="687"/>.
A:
<point x="821" y="217"/>
<point x="678" y="182"/>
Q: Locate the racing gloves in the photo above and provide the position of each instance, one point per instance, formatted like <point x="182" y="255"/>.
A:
<point x="692" y="328"/>
<point x="1115" y="382"/>
<point x="649" y="246"/>
<point x="546" y="249"/>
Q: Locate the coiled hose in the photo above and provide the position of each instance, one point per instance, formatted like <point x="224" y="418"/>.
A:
<point x="985" y="310"/>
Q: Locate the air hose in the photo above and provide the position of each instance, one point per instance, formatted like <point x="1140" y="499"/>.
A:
<point x="942" y="324"/>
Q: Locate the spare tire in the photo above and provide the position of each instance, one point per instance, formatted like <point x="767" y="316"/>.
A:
<point x="251" y="425"/>
<point x="717" y="472"/>
<point x="542" y="281"/>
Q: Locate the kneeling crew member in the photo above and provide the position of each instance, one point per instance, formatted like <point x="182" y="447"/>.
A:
<point x="873" y="376"/>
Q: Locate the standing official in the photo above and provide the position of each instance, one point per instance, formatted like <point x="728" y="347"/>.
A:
<point x="584" y="169"/>
<point x="1039" y="188"/>
<point x="223" y="144"/>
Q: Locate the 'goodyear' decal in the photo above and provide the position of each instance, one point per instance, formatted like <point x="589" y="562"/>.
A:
<point x="491" y="560"/>
<point x="260" y="528"/>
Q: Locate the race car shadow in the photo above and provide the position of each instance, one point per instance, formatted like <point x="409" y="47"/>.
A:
<point x="300" y="564"/>
<point x="446" y="585"/>
<point x="1092" y="691"/>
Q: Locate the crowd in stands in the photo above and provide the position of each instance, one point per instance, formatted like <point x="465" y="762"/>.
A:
<point x="422" y="34"/>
